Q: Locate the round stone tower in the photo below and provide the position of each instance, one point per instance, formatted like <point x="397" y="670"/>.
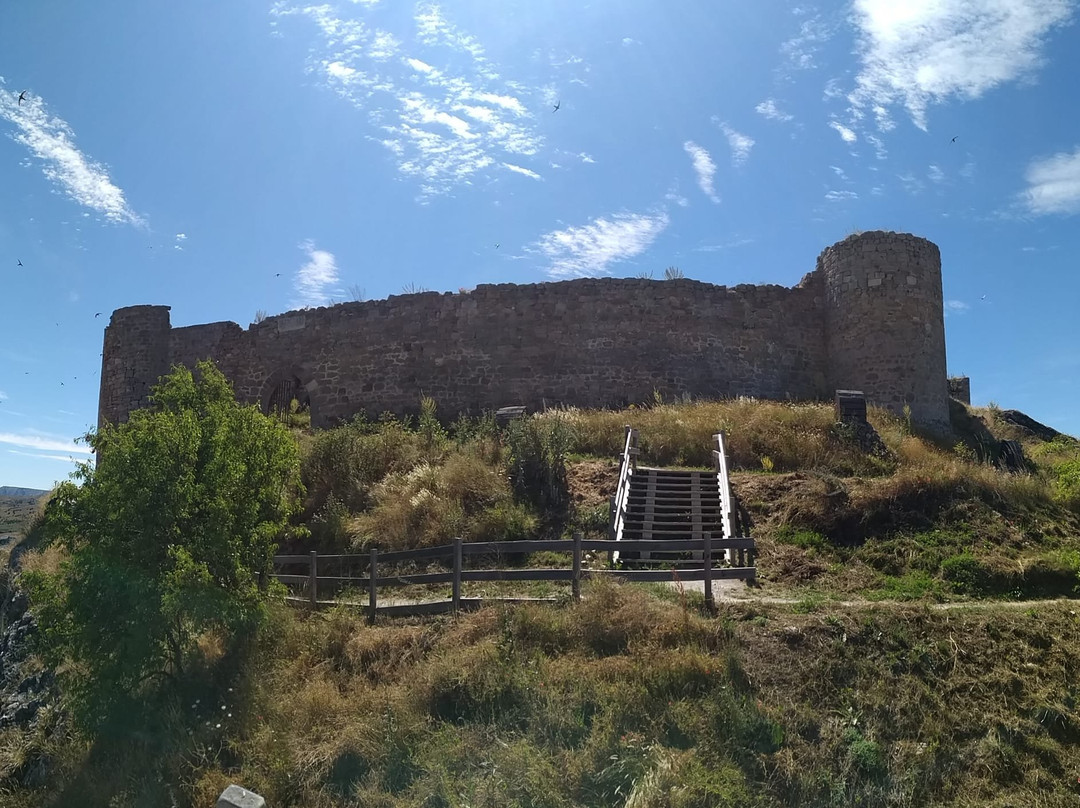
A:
<point x="885" y="323"/>
<point x="135" y="356"/>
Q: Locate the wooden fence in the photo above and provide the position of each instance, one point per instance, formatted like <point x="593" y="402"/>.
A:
<point x="373" y="564"/>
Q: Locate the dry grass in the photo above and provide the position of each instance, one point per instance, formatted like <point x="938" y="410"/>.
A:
<point x="626" y="700"/>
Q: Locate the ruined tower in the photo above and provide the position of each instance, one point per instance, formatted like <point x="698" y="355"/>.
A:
<point x="885" y="323"/>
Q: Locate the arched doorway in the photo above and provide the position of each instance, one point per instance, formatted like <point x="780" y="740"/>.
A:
<point x="286" y="395"/>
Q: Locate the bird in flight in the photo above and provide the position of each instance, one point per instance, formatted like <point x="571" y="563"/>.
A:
<point x="557" y="105"/>
<point x="496" y="246"/>
<point x="20" y="262"/>
<point x="22" y="97"/>
<point x="277" y="274"/>
<point x="954" y="139"/>
<point x="98" y="314"/>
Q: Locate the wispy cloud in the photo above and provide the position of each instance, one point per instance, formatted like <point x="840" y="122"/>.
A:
<point x="432" y="96"/>
<point x="46" y="444"/>
<point x="674" y="196"/>
<point x="520" y="170"/>
<point x="839" y="172"/>
<point x="589" y="250"/>
<point x="62" y="458"/>
<point x="724" y="245"/>
<point x="628" y="41"/>
<point x="770" y="110"/>
<point x="848" y="135"/>
<point x="840" y="196"/>
<point x="315" y="279"/>
<point x="3" y="396"/>
<point x="919" y="53"/>
<point x="798" y="52"/>
<point x="935" y="174"/>
<point x="52" y="141"/>
<point x="704" y="167"/>
<point x="179" y="243"/>
<point x="1054" y="184"/>
<point x="740" y="144"/>
<point x="912" y="184"/>
<point x="956" y="306"/>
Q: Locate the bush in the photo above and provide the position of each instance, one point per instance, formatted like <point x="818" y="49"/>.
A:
<point x="537" y="462"/>
<point x="347" y="461"/>
<point x="169" y="537"/>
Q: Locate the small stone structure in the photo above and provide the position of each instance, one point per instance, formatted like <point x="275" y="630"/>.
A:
<point x="239" y="797"/>
<point x="869" y="318"/>
<point x="960" y="389"/>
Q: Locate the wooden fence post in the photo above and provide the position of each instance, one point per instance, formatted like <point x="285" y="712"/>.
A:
<point x="575" y="582"/>
<point x="313" y="579"/>
<point x="373" y="573"/>
<point x="706" y="558"/>
<point x="455" y="595"/>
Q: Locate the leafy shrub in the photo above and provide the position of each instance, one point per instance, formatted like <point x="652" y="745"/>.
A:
<point x="537" y="462"/>
<point x="347" y="461"/>
<point x="169" y="537"/>
<point x="864" y="755"/>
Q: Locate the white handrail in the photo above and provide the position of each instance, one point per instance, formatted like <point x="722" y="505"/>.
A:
<point x="622" y="492"/>
<point x="723" y="482"/>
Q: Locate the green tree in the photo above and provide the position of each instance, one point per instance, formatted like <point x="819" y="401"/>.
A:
<point x="170" y="536"/>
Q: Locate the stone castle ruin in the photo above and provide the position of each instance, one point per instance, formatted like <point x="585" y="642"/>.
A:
<point x="869" y="318"/>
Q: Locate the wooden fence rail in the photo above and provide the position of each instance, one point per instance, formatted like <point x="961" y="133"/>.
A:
<point x="375" y="562"/>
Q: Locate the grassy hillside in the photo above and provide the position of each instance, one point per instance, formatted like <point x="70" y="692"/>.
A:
<point x="15" y="511"/>
<point x="908" y="517"/>
<point x="624" y="700"/>
<point x="822" y="689"/>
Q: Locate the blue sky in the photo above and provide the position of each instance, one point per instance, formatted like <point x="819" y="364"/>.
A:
<point x="224" y="158"/>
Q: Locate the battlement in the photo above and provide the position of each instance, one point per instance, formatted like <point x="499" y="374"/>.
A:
<point x="869" y="318"/>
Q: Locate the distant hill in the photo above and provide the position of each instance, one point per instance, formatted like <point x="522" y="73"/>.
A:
<point x="14" y="491"/>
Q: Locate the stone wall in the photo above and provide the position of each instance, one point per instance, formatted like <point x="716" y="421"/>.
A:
<point x="594" y="342"/>
<point x="960" y="388"/>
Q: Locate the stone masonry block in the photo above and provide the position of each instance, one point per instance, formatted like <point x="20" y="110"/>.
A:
<point x="237" y="797"/>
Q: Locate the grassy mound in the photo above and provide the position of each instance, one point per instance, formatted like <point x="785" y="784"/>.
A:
<point x="623" y="700"/>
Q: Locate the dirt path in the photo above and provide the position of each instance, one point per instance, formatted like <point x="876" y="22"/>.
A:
<point x="739" y="592"/>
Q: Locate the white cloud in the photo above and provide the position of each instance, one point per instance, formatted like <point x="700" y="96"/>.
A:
<point x="674" y="196"/>
<point x="314" y="279"/>
<point x="704" y="167"/>
<point x="62" y="458"/>
<point x="839" y="196"/>
<point x="520" y="170"/>
<point x="3" y="396"/>
<point x="769" y="109"/>
<point x="800" y="50"/>
<point x="957" y="306"/>
<point x="912" y="184"/>
<point x="417" y="64"/>
<point x="839" y="172"/>
<point x="928" y="51"/>
<point x="50" y="139"/>
<point x="1054" y="184"/>
<point x="740" y="144"/>
<point x="879" y="147"/>
<point x="444" y="119"/>
<point x="724" y="245"/>
<point x="628" y="41"/>
<point x="44" y="443"/>
<point x="586" y="158"/>
<point x="935" y="173"/>
<point x="588" y="250"/>
<point x="847" y="134"/>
